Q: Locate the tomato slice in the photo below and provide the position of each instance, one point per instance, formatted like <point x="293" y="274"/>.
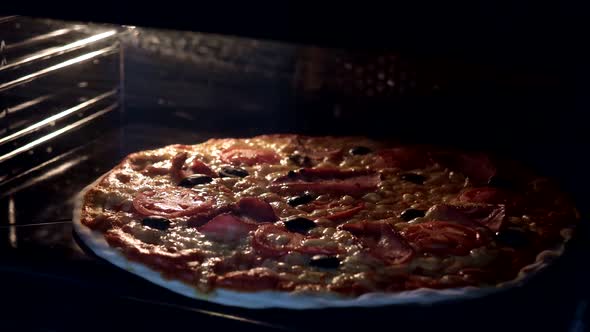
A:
<point x="443" y="238"/>
<point x="249" y="156"/>
<point x="170" y="202"/>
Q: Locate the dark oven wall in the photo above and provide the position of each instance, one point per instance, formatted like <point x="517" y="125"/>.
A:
<point x="181" y="87"/>
<point x="514" y="103"/>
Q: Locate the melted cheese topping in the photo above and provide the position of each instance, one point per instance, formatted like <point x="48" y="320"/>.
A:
<point x="109" y="207"/>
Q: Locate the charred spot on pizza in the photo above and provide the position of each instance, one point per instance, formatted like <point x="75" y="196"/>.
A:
<point x="195" y="180"/>
<point x="299" y="225"/>
<point x="360" y="151"/>
<point x="411" y="214"/>
<point x="304" y="198"/>
<point x="236" y="172"/>
<point x="413" y="178"/>
<point x="156" y="222"/>
<point x="324" y="262"/>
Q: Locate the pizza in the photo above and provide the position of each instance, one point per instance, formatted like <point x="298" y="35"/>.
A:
<point x="299" y="221"/>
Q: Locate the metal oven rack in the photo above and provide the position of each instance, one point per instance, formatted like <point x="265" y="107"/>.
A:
<point x="55" y="78"/>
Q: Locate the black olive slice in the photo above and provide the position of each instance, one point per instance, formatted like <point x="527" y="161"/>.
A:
<point x="301" y="199"/>
<point x="195" y="180"/>
<point x="299" y="225"/>
<point x="411" y="214"/>
<point x="359" y="151"/>
<point x="413" y="177"/>
<point x="228" y="171"/>
<point x="325" y="262"/>
<point x="156" y="222"/>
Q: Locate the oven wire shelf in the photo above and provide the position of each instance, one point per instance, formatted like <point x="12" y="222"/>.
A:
<point x="55" y="78"/>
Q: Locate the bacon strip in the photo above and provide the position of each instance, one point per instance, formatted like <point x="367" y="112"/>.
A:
<point x="199" y="167"/>
<point x="491" y="216"/>
<point x="256" y="209"/>
<point x="177" y="164"/>
<point x="382" y="241"/>
<point x="353" y="187"/>
<point x="327" y="181"/>
<point x="346" y="213"/>
<point x="249" y="156"/>
<point x="322" y="173"/>
<point x="443" y="237"/>
<point x="226" y="227"/>
<point x="170" y="203"/>
<point x="293" y="242"/>
<point x="250" y="210"/>
<point x="476" y="166"/>
<point x="405" y="157"/>
<point x="487" y="195"/>
<point x="179" y="171"/>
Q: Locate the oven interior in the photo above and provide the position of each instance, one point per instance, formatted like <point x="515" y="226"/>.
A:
<point x="76" y="98"/>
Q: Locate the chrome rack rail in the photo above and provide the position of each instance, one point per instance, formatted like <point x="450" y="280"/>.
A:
<point x="59" y="85"/>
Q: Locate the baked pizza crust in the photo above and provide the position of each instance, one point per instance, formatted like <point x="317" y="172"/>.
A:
<point x="301" y="300"/>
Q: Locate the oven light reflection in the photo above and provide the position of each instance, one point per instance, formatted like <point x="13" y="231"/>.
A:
<point x="56" y="171"/>
<point x="56" y="133"/>
<point x="12" y="222"/>
<point x="61" y="49"/>
<point x="51" y="34"/>
<point x="57" y="116"/>
<point x="5" y="180"/>
<point x="81" y="58"/>
<point x="28" y="104"/>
